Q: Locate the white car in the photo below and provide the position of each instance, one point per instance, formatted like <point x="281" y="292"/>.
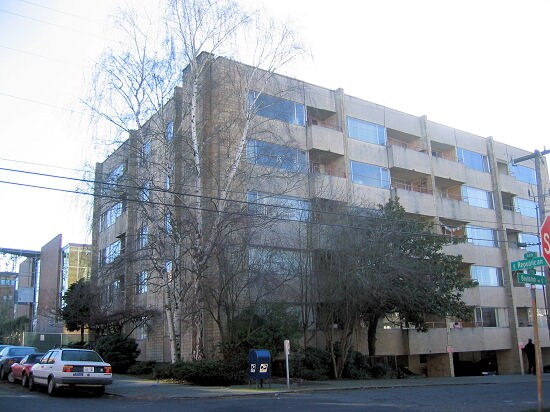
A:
<point x="69" y="367"/>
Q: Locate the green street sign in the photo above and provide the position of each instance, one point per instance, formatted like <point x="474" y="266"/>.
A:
<point x="532" y="279"/>
<point x="530" y="255"/>
<point x="531" y="271"/>
<point x="527" y="263"/>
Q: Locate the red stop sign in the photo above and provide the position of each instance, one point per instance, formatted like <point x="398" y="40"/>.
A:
<point x="545" y="239"/>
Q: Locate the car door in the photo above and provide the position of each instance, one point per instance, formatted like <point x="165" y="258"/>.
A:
<point x="41" y="370"/>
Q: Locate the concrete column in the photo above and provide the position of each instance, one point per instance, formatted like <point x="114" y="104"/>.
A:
<point x="440" y="364"/>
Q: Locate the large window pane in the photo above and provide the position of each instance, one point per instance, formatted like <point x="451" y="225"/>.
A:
<point x="280" y="262"/>
<point x="278" y="156"/>
<point x="279" y="207"/>
<point x="531" y="242"/>
<point x="369" y="175"/>
<point x="276" y="108"/>
<point x="477" y="197"/>
<point x="486" y="275"/>
<point x="481" y="236"/>
<point x="366" y="131"/>
<point x="473" y="160"/>
<point x="525" y="207"/>
<point x="524" y="174"/>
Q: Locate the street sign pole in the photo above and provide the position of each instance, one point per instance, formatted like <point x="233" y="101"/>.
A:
<point x="538" y="360"/>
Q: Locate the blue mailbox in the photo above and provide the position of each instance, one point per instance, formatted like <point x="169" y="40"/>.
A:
<point x="259" y="365"/>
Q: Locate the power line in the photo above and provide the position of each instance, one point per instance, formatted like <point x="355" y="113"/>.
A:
<point x="166" y="191"/>
<point x="44" y="104"/>
<point x="55" y="10"/>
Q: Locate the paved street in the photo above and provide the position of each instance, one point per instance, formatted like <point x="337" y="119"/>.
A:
<point x="502" y="393"/>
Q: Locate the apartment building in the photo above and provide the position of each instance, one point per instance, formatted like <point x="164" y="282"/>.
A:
<point x="310" y="144"/>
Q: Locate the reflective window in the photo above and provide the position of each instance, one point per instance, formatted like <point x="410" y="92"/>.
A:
<point x="274" y="155"/>
<point x="491" y="317"/>
<point x="141" y="284"/>
<point x="278" y="207"/>
<point x="477" y="197"/>
<point x="473" y="160"/>
<point x="143" y="237"/>
<point x="524" y="174"/>
<point x="486" y="275"/>
<point x="112" y="252"/>
<point x="108" y="218"/>
<point x="169" y="131"/>
<point x="280" y="262"/>
<point x="144" y="192"/>
<point x="276" y="108"/>
<point x="481" y="236"/>
<point x="366" y="131"/>
<point x="531" y="242"/>
<point x="525" y="207"/>
<point x="369" y="175"/>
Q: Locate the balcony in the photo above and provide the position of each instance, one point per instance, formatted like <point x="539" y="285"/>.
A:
<point x="414" y="196"/>
<point x="408" y="157"/>
<point x="325" y="139"/>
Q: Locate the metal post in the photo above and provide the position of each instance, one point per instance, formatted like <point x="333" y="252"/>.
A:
<point x="540" y="217"/>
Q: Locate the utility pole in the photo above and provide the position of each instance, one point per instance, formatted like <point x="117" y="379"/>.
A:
<point x="537" y="155"/>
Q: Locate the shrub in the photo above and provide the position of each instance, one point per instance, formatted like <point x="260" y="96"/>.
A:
<point x="311" y="364"/>
<point x="206" y="372"/>
<point x="142" y="368"/>
<point x="120" y="352"/>
<point x="357" y="366"/>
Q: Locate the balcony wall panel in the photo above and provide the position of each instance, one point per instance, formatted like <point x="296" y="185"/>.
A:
<point x="408" y="159"/>
<point x="325" y="139"/>
<point x="448" y="169"/>
<point x="415" y="202"/>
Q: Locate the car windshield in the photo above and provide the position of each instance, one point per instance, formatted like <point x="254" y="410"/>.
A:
<point x="80" y="355"/>
<point x="20" y="351"/>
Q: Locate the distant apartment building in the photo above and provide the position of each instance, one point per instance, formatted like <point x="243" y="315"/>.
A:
<point x="339" y="148"/>
<point x="59" y="266"/>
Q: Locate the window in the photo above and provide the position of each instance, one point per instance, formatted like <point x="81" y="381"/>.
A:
<point x="114" y="177"/>
<point x="145" y="153"/>
<point x="169" y="131"/>
<point x="108" y="218"/>
<point x="524" y="174"/>
<point x="111" y="252"/>
<point x="473" y="160"/>
<point x="145" y="192"/>
<point x="369" y="175"/>
<point x="141" y="282"/>
<point x="168" y="223"/>
<point x="525" y="207"/>
<point x="481" y="236"/>
<point x="274" y="155"/>
<point x="167" y="181"/>
<point x="143" y="237"/>
<point x="477" y="197"/>
<point x="486" y="275"/>
<point x="531" y="242"/>
<point x="278" y="262"/>
<point x="279" y="207"/>
<point x="491" y="317"/>
<point x="276" y="108"/>
<point x="366" y="131"/>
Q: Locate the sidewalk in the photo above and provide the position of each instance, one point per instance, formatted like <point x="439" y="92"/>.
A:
<point x="147" y="389"/>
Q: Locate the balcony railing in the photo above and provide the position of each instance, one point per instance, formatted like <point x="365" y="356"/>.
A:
<point x="411" y="186"/>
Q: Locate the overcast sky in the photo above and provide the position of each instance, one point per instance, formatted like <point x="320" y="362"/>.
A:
<point x="480" y="66"/>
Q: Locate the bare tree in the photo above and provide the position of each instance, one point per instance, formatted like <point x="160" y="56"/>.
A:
<point x="188" y="171"/>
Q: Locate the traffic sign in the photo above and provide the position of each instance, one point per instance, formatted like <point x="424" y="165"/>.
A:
<point x="545" y="239"/>
<point x="527" y="263"/>
<point x="532" y="279"/>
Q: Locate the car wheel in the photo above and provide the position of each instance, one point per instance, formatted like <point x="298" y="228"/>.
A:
<point x="32" y="385"/>
<point x="52" y="387"/>
<point x="25" y="381"/>
<point x="11" y="379"/>
<point x="99" y="391"/>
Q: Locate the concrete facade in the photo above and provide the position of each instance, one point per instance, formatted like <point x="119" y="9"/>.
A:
<point x="358" y="151"/>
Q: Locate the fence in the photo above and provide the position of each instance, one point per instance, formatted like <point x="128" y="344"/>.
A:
<point x="46" y="341"/>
